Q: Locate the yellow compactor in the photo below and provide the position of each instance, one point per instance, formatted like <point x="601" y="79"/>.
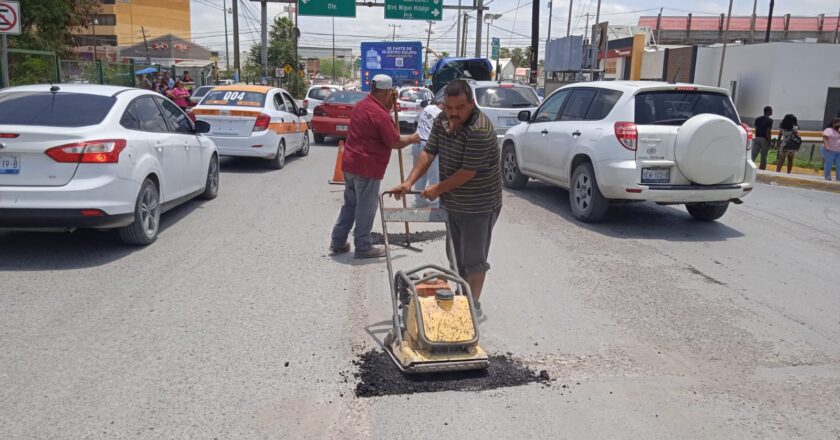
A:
<point x="434" y="323"/>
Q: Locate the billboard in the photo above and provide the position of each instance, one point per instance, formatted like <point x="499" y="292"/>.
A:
<point x="402" y="61"/>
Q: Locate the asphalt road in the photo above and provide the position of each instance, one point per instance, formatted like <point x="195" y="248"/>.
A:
<point x="237" y="324"/>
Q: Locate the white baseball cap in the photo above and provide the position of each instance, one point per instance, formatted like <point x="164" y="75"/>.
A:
<point x="381" y="82"/>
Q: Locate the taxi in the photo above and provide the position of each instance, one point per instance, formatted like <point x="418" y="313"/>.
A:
<point x="254" y="121"/>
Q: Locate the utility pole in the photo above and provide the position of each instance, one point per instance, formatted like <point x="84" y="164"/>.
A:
<point x="725" y="41"/>
<point x="93" y="24"/>
<point x="587" y="25"/>
<point x="333" y="50"/>
<point x="597" y="19"/>
<point x="236" y="66"/>
<point x="769" y="22"/>
<point x="752" y="21"/>
<point x="837" y="29"/>
<point x="659" y="25"/>
<point x="426" y="58"/>
<point x="569" y="24"/>
<point x="146" y="43"/>
<point x="548" y="37"/>
<point x="394" y="27"/>
<point x="466" y="29"/>
<point x="458" y="32"/>
<point x="264" y="37"/>
<point x="535" y="40"/>
<point x="479" y="16"/>
<point x="227" y="47"/>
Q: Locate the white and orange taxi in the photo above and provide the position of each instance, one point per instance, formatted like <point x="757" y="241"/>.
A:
<point x="254" y="121"/>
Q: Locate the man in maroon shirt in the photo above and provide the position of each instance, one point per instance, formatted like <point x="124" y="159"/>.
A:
<point x="370" y="138"/>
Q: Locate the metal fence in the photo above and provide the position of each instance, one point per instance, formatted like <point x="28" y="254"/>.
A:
<point x="32" y="67"/>
<point x="42" y="67"/>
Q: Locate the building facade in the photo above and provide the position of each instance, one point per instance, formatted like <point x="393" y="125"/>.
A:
<point x="122" y="22"/>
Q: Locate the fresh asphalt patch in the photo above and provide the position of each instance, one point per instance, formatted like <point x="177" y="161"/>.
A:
<point x="378" y="376"/>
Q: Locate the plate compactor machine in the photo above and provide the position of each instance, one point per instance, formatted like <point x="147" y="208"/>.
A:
<point x="434" y="321"/>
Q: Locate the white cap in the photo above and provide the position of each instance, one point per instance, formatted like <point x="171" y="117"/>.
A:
<point x="381" y="82"/>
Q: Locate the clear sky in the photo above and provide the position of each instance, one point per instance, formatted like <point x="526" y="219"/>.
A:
<point x="514" y="28"/>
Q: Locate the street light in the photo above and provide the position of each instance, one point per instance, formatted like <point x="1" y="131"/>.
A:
<point x="488" y="20"/>
<point x="93" y="24"/>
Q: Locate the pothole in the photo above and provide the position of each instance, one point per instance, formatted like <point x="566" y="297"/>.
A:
<point x="399" y="238"/>
<point x="378" y="376"/>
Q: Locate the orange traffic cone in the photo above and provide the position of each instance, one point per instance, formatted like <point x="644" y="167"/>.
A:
<point x="338" y="175"/>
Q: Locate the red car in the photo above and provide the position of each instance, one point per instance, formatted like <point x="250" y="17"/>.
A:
<point x="332" y="117"/>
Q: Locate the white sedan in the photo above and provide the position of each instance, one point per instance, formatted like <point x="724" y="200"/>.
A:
<point x="254" y="121"/>
<point x="90" y="156"/>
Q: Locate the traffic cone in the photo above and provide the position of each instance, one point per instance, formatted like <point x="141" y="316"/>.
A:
<point x="338" y="175"/>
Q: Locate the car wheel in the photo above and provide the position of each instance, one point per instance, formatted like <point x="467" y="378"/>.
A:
<point x="144" y="230"/>
<point x="511" y="176"/>
<point x="587" y="202"/>
<point x="707" y="211"/>
<point x="279" y="160"/>
<point x="304" y="148"/>
<point x="211" y="187"/>
<point x="319" y="138"/>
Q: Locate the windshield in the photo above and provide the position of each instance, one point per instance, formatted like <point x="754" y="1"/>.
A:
<point x="201" y="91"/>
<point x="234" y="98"/>
<point x="669" y="107"/>
<point x="506" y="97"/>
<point x="416" y="95"/>
<point x="345" y="97"/>
<point x="54" y="109"/>
<point x="320" y="93"/>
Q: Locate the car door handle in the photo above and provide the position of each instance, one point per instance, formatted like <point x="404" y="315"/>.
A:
<point x="544" y="132"/>
<point x="575" y="133"/>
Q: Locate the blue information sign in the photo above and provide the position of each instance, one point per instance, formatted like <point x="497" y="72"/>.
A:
<point x="402" y="61"/>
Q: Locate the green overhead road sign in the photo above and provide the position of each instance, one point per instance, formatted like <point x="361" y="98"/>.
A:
<point x="327" y="8"/>
<point x="414" y="9"/>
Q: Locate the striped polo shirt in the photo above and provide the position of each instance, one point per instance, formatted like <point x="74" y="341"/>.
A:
<point x="473" y="147"/>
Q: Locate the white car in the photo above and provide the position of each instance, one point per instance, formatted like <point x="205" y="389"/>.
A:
<point x="410" y="101"/>
<point x="91" y="156"/>
<point x="500" y="101"/>
<point x="254" y="121"/>
<point x="622" y="140"/>
<point x="315" y="96"/>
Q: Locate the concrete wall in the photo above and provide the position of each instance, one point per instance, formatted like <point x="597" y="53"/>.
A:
<point x="652" y="65"/>
<point x="790" y="77"/>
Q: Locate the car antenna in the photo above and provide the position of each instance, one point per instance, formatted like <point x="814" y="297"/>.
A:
<point x="54" y="88"/>
<point x="676" y="74"/>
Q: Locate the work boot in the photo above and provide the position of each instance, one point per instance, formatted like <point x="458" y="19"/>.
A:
<point x="373" y="252"/>
<point x="335" y="250"/>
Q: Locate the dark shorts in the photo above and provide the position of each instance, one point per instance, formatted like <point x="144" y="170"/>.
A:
<point x="471" y="234"/>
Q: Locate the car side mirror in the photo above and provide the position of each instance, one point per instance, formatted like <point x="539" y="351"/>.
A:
<point x="202" y="127"/>
<point x="424" y="103"/>
<point x="524" y="116"/>
<point x="303" y="112"/>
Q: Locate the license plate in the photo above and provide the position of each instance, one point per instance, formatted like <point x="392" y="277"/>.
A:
<point x="9" y="164"/>
<point x="656" y="175"/>
<point x="508" y="122"/>
<point x="340" y="128"/>
<point x="224" y="128"/>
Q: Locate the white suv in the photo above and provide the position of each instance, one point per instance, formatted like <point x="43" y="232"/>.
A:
<point x="315" y="96"/>
<point x="623" y="140"/>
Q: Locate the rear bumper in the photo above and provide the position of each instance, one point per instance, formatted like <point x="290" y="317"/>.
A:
<point x="619" y="180"/>
<point x="60" y="218"/>
<point x="110" y="194"/>
<point x="327" y="126"/>
<point x="260" y="144"/>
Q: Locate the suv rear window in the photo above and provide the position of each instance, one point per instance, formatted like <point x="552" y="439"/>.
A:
<point x="674" y="107"/>
<point x="506" y="97"/>
<point x="54" y="109"/>
<point x="234" y="98"/>
<point x="340" y="97"/>
<point x="320" y="93"/>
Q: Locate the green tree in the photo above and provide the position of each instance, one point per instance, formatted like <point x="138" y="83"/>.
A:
<point x="49" y="24"/>
<point x="281" y="52"/>
<point x="342" y="70"/>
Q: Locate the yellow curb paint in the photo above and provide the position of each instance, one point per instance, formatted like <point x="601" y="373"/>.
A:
<point x="785" y="180"/>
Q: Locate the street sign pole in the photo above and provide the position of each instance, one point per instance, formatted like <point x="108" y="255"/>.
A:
<point x="9" y="25"/>
<point x="264" y="37"/>
<point x="5" y="63"/>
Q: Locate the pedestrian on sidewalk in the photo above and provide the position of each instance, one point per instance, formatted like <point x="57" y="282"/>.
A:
<point x="471" y="180"/>
<point x="179" y="95"/>
<point x="371" y="137"/>
<point x="432" y="177"/>
<point x="790" y="146"/>
<point x="831" y="149"/>
<point x="763" y="134"/>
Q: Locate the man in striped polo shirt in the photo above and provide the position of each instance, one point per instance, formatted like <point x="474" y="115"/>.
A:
<point x="465" y="141"/>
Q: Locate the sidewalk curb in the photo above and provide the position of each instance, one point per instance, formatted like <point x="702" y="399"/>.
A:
<point x="785" y="180"/>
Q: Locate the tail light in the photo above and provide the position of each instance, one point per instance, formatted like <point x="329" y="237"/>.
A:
<point x="627" y="135"/>
<point x="747" y="128"/>
<point x="104" y="151"/>
<point x="319" y="111"/>
<point x="8" y="135"/>
<point x="305" y="103"/>
<point x="262" y="122"/>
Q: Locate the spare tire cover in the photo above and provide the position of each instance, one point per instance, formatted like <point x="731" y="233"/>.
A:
<point x="709" y="148"/>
